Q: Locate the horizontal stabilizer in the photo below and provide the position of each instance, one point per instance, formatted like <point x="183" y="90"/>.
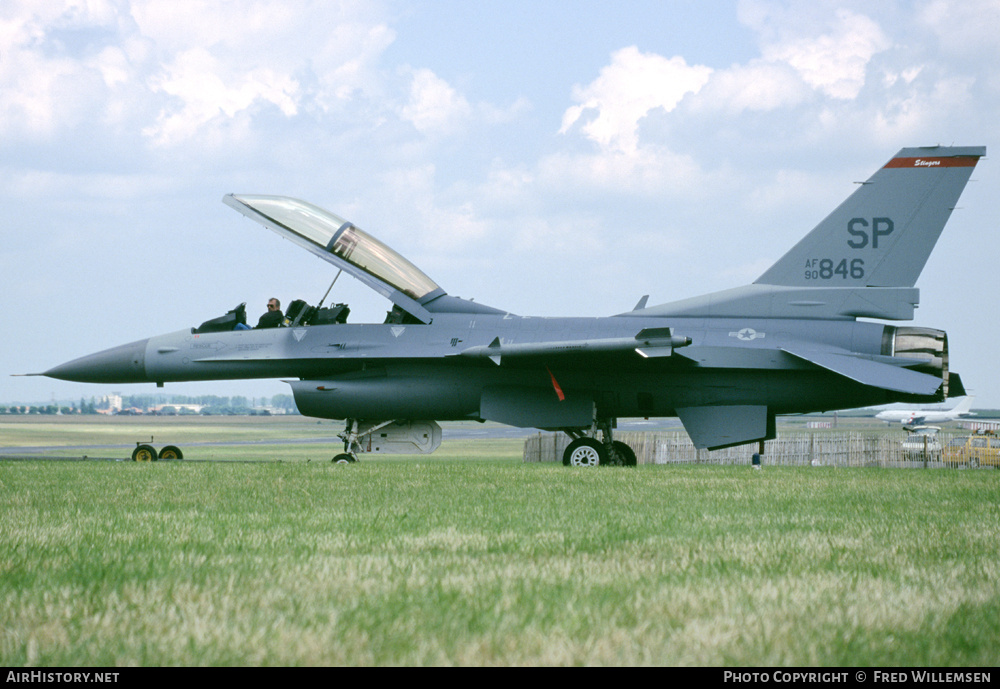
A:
<point x="873" y="373"/>
<point x="714" y="428"/>
<point x="955" y="386"/>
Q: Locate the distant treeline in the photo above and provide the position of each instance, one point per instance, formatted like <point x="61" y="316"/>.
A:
<point x="210" y="404"/>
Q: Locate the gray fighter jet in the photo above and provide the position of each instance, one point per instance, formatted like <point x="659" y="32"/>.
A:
<point x="725" y="363"/>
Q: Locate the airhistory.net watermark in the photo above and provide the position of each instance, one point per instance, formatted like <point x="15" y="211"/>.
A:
<point x="40" y="676"/>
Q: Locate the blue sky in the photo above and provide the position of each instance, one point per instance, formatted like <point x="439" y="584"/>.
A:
<point x="547" y="157"/>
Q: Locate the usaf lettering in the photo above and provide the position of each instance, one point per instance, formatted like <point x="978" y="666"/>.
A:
<point x="880" y="228"/>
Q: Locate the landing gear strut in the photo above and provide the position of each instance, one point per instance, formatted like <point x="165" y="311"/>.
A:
<point x="587" y="451"/>
<point x="351" y="445"/>
<point x="352" y="439"/>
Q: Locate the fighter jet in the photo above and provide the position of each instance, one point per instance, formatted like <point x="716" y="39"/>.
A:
<point x="725" y="363"/>
<point x="914" y="417"/>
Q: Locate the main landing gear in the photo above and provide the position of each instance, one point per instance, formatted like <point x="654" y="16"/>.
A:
<point x="352" y="439"/>
<point x="587" y="451"/>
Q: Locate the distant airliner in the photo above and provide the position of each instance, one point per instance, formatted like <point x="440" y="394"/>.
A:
<point x="912" y="417"/>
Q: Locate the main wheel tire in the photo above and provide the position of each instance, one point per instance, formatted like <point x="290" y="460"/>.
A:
<point x="144" y="453"/>
<point x="171" y="452"/>
<point x="625" y="453"/>
<point x="973" y="462"/>
<point x="343" y="458"/>
<point x="584" y="452"/>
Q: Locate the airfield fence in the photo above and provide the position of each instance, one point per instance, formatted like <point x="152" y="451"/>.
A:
<point x="839" y="449"/>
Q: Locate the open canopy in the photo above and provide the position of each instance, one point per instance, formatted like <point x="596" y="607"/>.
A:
<point x="339" y="242"/>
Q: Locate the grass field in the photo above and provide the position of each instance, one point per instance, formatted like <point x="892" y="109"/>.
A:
<point x="443" y="560"/>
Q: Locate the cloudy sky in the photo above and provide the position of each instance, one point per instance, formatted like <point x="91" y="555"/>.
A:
<point x="547" y="157"/>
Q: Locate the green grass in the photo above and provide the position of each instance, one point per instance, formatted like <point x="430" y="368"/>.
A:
<point x="438" y="560"/>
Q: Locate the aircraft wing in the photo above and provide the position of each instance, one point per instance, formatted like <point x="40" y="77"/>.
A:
<point x="869" y="372"/>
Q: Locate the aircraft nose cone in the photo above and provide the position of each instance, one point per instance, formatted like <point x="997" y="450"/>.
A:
<point x="122" y="364"/>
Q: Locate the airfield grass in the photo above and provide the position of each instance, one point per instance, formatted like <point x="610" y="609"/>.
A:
<point x="447" y="561"/>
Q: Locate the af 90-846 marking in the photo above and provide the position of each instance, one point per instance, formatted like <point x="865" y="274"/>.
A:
<point x="829" y="269"/>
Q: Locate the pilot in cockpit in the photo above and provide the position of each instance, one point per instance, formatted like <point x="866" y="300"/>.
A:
<point x="273" y="317"/>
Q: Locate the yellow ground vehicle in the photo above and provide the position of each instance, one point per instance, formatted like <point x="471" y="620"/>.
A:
<point x="975" y="450"/>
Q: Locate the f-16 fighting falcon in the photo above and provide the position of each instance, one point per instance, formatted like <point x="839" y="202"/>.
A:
<point x="725" y="363"/>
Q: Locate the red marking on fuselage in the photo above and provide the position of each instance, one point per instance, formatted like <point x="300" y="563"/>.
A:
<point x="555" y="385"/>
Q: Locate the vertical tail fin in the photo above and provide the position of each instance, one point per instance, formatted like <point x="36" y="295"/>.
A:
<point x="964" y="406"/>
<point x="863" y="260"/>
<point x="883" y="234"/>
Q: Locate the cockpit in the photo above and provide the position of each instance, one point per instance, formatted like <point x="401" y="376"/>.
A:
<point x="339" y="242"/>
<point x="299" y="313"/>
<point x="354" y="251"/>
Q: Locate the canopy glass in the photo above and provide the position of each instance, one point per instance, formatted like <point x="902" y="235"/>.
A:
<point x="323" y="232"/>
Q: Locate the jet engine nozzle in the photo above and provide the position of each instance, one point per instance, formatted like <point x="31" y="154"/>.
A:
<point x="927" y="345"/>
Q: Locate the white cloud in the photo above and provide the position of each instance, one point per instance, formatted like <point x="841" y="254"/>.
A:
<point x="890" y="78"/>
<point x="177" y="70"/>
<point x="757" y="86"/>
<point x="51" y="70"/>
<point x="434" y="107"/>
<point x="444" y="228"/>
<point x="207" y="88"/>
<point x="649" y="171"/>
<point x="221" y="25"/>
<point x="965" y="27"/>
<point x="627" y="90"/>
<point x="338" y="44"/>
<point x="911" y="115"/>
<point x="269" y="56"/>
<point x="492" y="114"/>
<point x="347" y="61"/>
<point x="835" y="61"/>
<point x="801" y="56"/>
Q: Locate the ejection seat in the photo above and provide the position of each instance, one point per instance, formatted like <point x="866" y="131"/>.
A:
<point x="301" y="313"/>
<point x="224" y="323"/>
